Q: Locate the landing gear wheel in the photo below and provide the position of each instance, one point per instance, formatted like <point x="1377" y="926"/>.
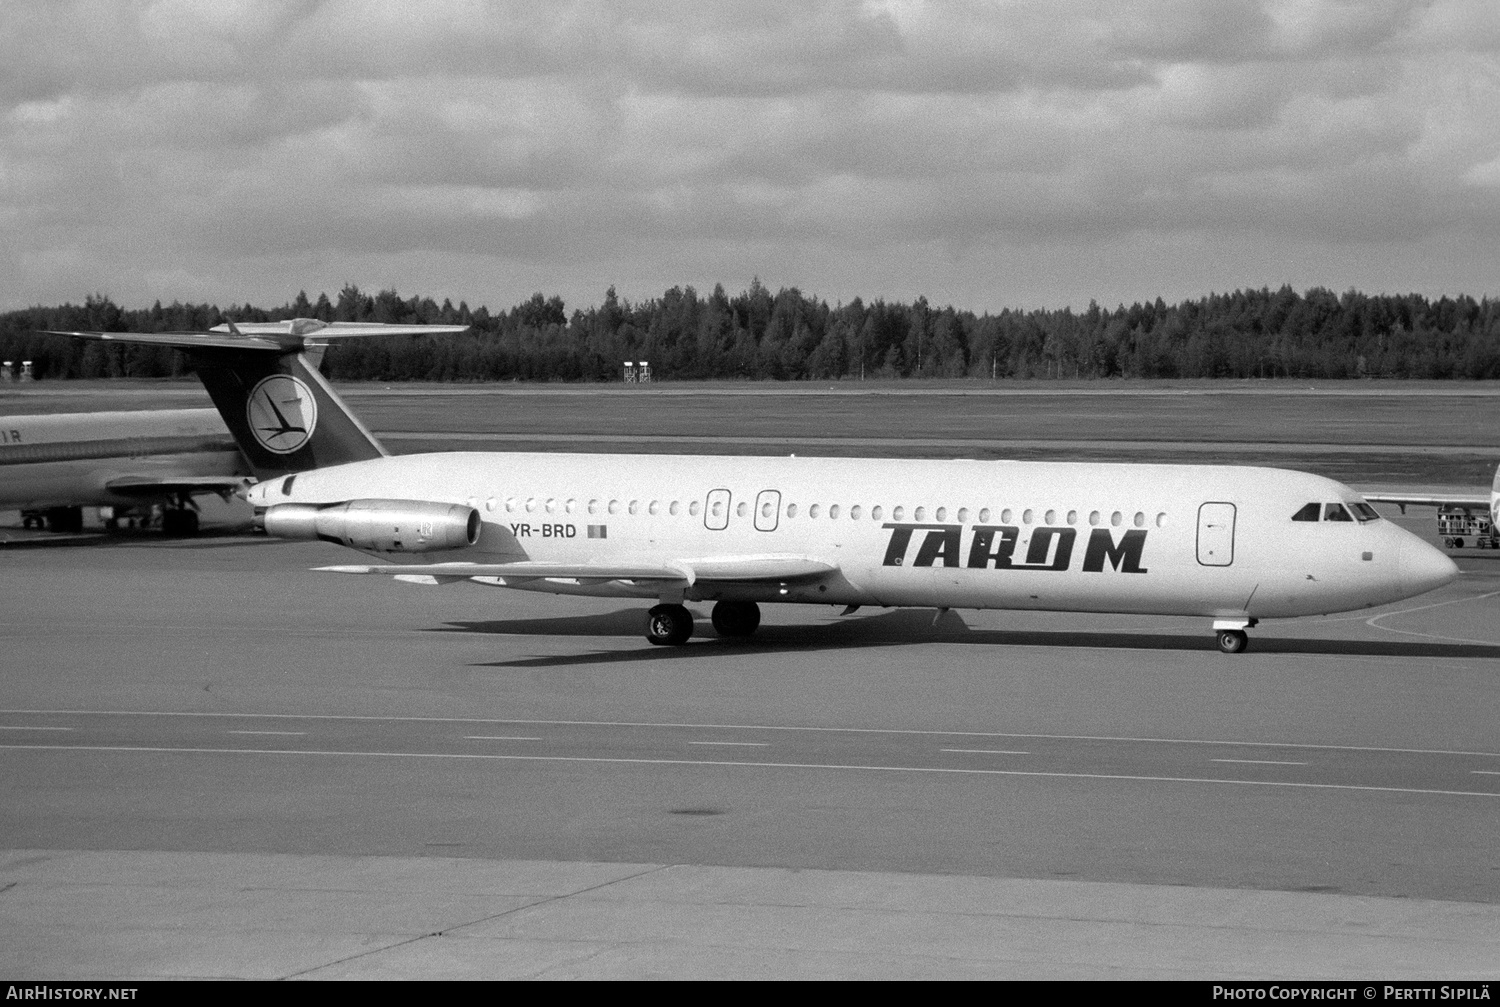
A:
<point x="1232" y="641"/>
<point x="1458" y="543"/>
<point x="179" y="522"/>
<point x="668" y="625"/>
<point x="65" y="519"/>
<point x="736" y="618"/>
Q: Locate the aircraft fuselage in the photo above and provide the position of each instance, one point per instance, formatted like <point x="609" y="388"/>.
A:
<point x="1216" y="541"/>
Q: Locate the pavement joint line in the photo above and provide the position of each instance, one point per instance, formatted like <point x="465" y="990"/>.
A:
<point x="496" y="737"/>
<point x="1238" y="926"/>
<point x="295" y="734"/>
<point x="739" y="744"/>
<point x="1261" y="762"/>
<point x="545" y="900"/>
<point x="8" y="727"/>
<point x="753" y="727"/>
<point x="981" y="751"/>
<point x="754" y="765"/>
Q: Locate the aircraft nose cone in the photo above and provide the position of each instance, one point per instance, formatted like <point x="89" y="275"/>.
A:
<point x="1423" y="567"/>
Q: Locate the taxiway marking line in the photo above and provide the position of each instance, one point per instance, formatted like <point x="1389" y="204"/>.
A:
<point x="749" y="765"/>
<point x="1262" y="762"/>
<point x="289" y="733"/>
<point x="1227" y="743"/>
<point x="740" y="744"/>
<point x="1373" y="621"/>
<point x="1484" y="772"/>
<point x="982" y="751"/>
<point x="496" y="737"/>
<point x="22" y="727"/>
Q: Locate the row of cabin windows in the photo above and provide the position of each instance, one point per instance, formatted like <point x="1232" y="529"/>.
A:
<point x="1336" y="512"/>
<point x="833" y="511"/>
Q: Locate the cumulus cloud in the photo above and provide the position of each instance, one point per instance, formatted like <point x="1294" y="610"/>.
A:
<point x="243" y="151"/>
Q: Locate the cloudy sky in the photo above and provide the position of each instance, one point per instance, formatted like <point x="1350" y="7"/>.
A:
<point x="984" y="154"/>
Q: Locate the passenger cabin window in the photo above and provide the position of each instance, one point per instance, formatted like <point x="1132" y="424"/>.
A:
<point x="1336" y="512"/>
<point x="1309" y="512"/>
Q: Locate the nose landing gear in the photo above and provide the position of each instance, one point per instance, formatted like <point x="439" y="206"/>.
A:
<point x="1232" y="641"/>
<point x="1231" y="636"/>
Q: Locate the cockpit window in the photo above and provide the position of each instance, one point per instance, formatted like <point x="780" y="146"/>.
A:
<point x="1308" y="513"/>
<point x="1364" y="512"/>
<point x="1335" y="512"/>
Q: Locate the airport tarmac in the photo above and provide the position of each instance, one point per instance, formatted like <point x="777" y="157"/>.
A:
<point x="219" y="763"/>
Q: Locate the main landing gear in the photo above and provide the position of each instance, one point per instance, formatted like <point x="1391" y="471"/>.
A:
<point x="671" y="625"/>
<point x="1231" y="636"/>
<point x="179" y="522"/>
<point x="736" y="618"/>
<point x="668" y="625"/>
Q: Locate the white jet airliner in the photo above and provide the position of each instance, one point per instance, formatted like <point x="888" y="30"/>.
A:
<point x="1230" y="544"/>
<point x="52" y="466"/>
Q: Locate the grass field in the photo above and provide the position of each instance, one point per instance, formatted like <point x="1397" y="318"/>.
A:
<point x="1367" y="433"/>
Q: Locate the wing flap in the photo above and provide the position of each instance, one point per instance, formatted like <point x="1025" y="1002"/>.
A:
<point x="688" y="571"/>
<point x="757" y="568"/>
<point x="521" y="570"/>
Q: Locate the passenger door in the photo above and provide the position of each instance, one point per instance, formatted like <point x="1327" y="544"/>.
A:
<point x="1216" y="534"/>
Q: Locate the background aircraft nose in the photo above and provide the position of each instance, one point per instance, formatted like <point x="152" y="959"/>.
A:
<point x="1423" y="567"/>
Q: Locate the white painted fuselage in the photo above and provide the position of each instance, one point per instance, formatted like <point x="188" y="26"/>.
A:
<point x="112" y="458"/>
<point x="1217" y="541"/>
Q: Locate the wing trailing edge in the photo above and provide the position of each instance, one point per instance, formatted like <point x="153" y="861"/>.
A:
<point x="685" y="572"/>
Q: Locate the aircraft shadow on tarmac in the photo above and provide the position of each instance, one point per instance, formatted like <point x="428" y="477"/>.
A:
<point x="909" y="626"/>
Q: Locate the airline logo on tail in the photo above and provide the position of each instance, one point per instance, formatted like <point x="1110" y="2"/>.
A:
<point x="282" y="413"/>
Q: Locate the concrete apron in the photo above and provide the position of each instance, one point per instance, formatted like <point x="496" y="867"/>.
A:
<point x="68" y="915"/>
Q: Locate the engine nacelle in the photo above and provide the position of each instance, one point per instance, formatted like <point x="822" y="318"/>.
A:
<point x="378" y="525"/>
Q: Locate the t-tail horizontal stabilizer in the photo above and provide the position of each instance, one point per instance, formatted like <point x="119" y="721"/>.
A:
<point x="284" y="416"/>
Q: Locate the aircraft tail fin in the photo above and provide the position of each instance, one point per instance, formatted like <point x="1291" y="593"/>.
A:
<point x="263" y="377"/>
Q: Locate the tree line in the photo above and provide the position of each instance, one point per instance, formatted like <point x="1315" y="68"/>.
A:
<point x="788" y="335"/>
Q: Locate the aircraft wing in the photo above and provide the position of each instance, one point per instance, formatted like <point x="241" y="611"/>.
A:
<point x="151" y="486"/>
<point x="686" y="571"/>
<point x="1476" y="503"/>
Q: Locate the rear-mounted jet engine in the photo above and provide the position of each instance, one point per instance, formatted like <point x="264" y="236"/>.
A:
<point x="378" y="525"/>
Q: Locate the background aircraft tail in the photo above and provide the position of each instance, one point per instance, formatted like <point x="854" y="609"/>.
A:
<point x="284" y="416"/>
